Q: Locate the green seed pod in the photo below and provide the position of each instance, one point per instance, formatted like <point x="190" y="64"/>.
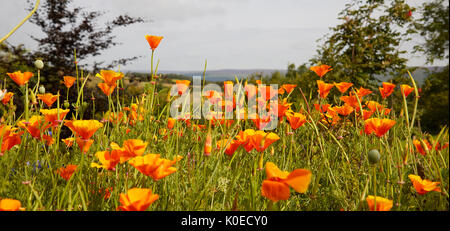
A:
<point x="66" y="104"/>
<point x="42" y="89"/>
<point x="39" y="64"/>
<point x="374" y="156"/>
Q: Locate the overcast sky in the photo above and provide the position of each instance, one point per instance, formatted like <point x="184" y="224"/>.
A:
<point x="231" y="34"/>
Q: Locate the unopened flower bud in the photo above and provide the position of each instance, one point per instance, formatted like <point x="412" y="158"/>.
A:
<point x="39" y="64"/>
<point x="32" y="97"/>
<point x="42" y="89"/>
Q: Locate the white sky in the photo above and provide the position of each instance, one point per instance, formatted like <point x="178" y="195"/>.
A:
<point x="231" y="34"/>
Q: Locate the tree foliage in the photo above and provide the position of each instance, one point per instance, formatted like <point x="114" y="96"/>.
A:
<point x="68" y="28"/>
<point x="367" y="43"/>
<point x="433" y="25"/>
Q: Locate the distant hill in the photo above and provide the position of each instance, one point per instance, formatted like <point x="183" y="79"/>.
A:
<point x="420" y="74"/>
<point x="229" y="74"/>
<point x="224" y="74"/>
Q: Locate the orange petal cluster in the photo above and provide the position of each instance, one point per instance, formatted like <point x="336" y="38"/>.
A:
<point x="424" y="186"/>
<point x="277" y="183"/>
<point x="321" y="70"/>
<point x="383" y="204"/>
<point x="136" y="199"/>
<point x="67" y="172"/>
<point x="20" y="78"/>
<point x="153" y="166"/>
<point x="153" y="41"/>
<point x="378" y="126"/>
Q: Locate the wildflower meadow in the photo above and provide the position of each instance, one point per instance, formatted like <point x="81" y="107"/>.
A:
<point x="237" y="145"/>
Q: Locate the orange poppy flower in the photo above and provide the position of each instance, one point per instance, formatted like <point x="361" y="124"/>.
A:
<point x="343" y="86"/>
<point x="7" y="97"/>
<point x="9" y="138"/>
<point x="383" y="204"/>
<point x="84" y="145"/>
<point x="208" y="145"/>
<point x="110" y="77"/>
<point x="68" y="141"/>
<point x="276" y="186"/>
<point x="283" y="108"/>
<point x="48" y="98"/>
<point x="322" y="108"/>
<point x="136" y="113"/>
<point x="296" y="119"/>
<point x="375" y="106"/>
<point x="171" y="123"/>
<point x="153" y="41"/>
<point x="243" y="138"/>
<point x="259" y="122"/>
<point x="324" y="88"/>
<point x="378" y="126"/>
<point x="330" y="117"/>
<point x="69" y="81"/>
<point x="387" y="89"/>
<point x="137" y="199"/>
<point x="424" y="186"/>
<point x="115" y="118"/>
<point x="289" y="87"/>
<point x="406" y="89"/>
<point x="130" y="149"/>
<point x="10" y="205"/>
<point x="51" y="115"/>
<point x="423" y="146"/>
<point x="231" y="146"/>
<point x="182" y="86"/>
<point x="261" y="140"/>
<point x="35" y="125"/>
<point x="361" y="92"/>
<point x="420" y="148"/>
<point x="20" y="78"/>
<point x="367" y="114"/>
<point x="321" y="70"/>
<point x="198" y="127"/>
<point x="106" y="89"/>
<point x="344" y="110"/>
<point x="153" y="166"/>
<point x="66" y="172"/>
<point x="351" y="101"/>
<point x="83" y="128"/>
<point x="267" y="92"/>
<point x="108" y="160"/>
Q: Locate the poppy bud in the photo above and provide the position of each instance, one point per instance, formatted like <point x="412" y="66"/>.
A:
<point x="66" y="104"/>
<point x="374" y="156"/>
<point x="39" y="64"/>
<point x="32" y="97"/>
<point x="42" y="89"/>
<point x="208" y="145"/>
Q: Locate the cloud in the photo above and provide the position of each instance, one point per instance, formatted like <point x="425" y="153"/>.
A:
<point x="230" y="34"/>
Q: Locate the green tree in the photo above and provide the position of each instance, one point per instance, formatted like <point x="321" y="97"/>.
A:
<point x="367" y="43"/>
<point x="433" y="26"/>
